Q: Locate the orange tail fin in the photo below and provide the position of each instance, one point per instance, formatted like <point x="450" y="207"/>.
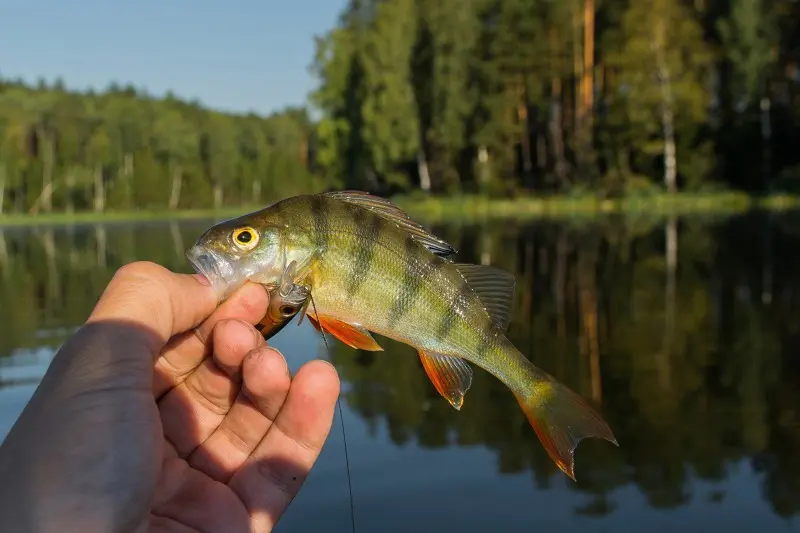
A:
<point x="561" y="419"/>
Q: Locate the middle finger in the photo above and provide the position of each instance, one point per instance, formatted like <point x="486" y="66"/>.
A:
<point x="266" y="382"/>
<point x="191" y="411"/>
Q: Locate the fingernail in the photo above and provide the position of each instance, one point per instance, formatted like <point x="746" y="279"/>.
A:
<point x="263" y="351"/>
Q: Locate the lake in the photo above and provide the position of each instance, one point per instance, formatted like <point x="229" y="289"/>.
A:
<point x="684" y="332"/>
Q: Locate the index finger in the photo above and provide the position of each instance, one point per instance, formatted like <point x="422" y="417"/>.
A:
<point x="150" y="296"/>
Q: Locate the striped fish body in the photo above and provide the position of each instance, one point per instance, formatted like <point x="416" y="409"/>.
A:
<point x="374" y="274"/>
<point x="370" y="268"/>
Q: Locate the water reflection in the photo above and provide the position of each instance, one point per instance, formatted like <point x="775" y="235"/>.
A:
<point x="683" y="331"/>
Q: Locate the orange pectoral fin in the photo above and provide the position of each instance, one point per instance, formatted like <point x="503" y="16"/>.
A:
<point x="452" y="376"/>
<point x="352" y="335"/>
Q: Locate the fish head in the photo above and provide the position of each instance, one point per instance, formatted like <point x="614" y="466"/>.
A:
<point x="233" y="252"/>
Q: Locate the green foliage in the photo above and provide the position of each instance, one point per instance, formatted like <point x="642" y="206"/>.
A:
<point x="508" y="97"/>
<point x="123" y="149"/>
<point x="502" y="98"/>
<point x="750" y="38"/>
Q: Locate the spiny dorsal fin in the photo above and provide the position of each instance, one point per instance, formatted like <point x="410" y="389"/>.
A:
<point x="495" y="288"/>
<point x="387" y="210"/>
<point x="452" y="376"/>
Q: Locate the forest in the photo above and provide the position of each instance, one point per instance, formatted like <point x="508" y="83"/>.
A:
<point x="491" y="97"/>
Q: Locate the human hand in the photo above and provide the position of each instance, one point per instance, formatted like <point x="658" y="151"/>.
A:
<point x="165" y="413"/>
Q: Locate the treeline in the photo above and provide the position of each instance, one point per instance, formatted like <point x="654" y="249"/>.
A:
<point x="65" y="151"/>
<point x="607" y="95"/>
<point x="491" y="96"/>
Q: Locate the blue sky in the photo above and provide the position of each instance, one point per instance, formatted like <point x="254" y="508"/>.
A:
<point x="236" y="55"/>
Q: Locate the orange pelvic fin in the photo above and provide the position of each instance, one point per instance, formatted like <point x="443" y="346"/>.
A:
<point x="352" y="335"/>
<point x="452" y="376"/>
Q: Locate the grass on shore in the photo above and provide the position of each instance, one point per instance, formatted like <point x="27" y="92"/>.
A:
<point x="472" y="208"/>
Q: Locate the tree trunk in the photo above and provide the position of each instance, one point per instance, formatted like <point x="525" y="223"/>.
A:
<point x="525" y="144"/>
<point x="256" y="192"/>
<point x="667" y="114"/>
<point x="175" y="193"/>
<point x="37" y="205"/>
<point x="69" y="182"/>
<point x="587" y="82"/>
<point x="4" y="254"/>
<point x="587" y="87"/>
<point x="484" y="174"/>
<point x="217" y="195"/>
<point x="541" y="152"/>
<point x="2" y="185"/>
<point x="46" y="151"/>
<point x="304" y="151"/>
<point x="556" y="116"/>
<point x="422" y="167"/>
<point x="766" y="144"/>
<point x="127" y="173"/>
<point x="99" y="189"/>
<point x="577" y="66"/>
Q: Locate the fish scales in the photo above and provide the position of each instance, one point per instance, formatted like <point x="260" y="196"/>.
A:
<point x="410" y="295"/>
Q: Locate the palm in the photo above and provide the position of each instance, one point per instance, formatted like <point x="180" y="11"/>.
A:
<point x="240" y="433"/>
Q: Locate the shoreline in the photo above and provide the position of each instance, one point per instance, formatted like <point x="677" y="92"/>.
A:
<point x="468" y="208"/>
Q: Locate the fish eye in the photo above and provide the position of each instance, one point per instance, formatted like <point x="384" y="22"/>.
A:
<point x="286" y="310"/>
<point x="245" y="237"/>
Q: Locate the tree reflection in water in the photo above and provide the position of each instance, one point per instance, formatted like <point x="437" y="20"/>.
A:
<point x="684" y="331"/>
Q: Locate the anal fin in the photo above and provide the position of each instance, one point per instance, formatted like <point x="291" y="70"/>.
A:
<point x="353" y="335"/>
<point x="452" y="376"/>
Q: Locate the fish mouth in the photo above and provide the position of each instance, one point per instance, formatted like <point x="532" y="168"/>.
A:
<point x="214" y="268"/>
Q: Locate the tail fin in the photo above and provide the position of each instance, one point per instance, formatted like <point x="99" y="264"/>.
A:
<point x="561" y="419"/>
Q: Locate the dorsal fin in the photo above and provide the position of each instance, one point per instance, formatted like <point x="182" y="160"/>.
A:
<point x="495" y="288"/>
<point x="387" y="210"/>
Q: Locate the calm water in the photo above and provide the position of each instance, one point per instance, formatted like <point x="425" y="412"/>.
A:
<point x="685" y="332"/>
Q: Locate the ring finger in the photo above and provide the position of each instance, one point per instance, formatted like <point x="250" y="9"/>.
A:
<point x="194" y="409"/>
<point x="266" y="382"/>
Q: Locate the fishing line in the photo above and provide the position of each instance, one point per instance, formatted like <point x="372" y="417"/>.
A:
<point x="341" y="419"/>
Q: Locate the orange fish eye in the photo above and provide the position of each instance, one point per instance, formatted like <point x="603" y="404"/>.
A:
<point x="245" y="238"/>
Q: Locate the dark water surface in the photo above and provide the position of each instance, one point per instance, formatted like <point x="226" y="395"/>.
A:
<point x="685" y="333"/>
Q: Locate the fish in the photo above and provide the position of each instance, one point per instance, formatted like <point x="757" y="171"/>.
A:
<point x="371" y="269"/>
